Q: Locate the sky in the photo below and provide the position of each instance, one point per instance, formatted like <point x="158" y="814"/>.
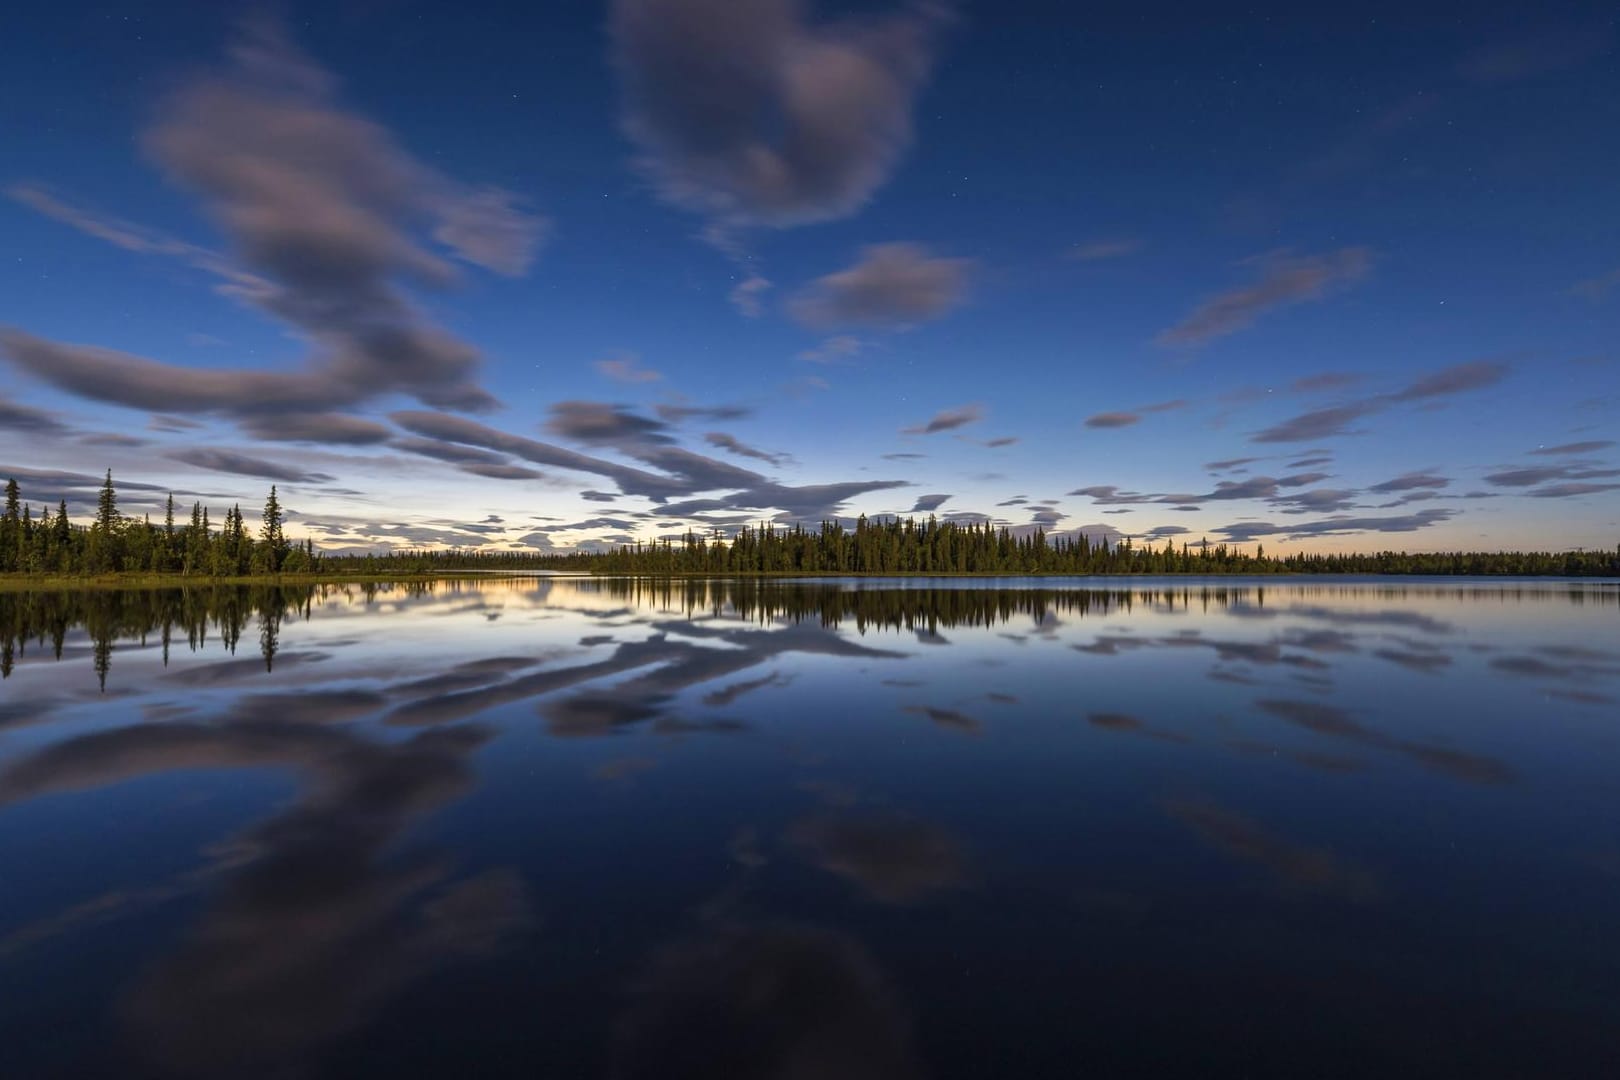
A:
<point x="576" y="273"/>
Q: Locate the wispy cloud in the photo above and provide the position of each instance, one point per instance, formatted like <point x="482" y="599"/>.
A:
<point x="1591" y="446"/>
<point x="1411" y="481"/>
<point x="230" y="461"/>
<point x="891" y="286"/>
<point x="1284" y="280"/>
<point x="834" y="350"/>
<point x="732" y="445"/>
<point x="947" y="420"/>
<point x="1337" y="419"/>
<point x="15" y="416"/>
<point x="269" y="151"/>
<point x="626" y="369"/>
<point x="1127" y="419"/>
<point x="1334" y="526"/>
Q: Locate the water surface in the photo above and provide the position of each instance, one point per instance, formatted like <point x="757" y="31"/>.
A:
<point x="916" y="828"/>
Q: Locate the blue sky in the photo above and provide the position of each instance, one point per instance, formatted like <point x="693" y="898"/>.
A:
<point x="593" y="271"/>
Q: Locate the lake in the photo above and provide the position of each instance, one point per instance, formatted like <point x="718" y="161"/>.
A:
<point x="568" y="827"/>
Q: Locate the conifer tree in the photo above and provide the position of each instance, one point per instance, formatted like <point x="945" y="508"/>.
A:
<point x="275" y="542"/>
<point x="10" y="526"/>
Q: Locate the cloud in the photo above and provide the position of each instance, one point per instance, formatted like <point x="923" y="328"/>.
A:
<point x="834" y="350"/>
<point x="1476" y="375"/>
<point x="675" y="414"/>
<point x="802" y="387"/>
<point x="1540" y="474"/>
<point x="1100" y="250"/>
<point x="1318" y="423"/>
<point x="1336" y="420"/>
<point x="947" y="420"/>
<point x="230" y="461"/>
<point x="904" y="457"/>
<point x="108" y="439"/>
<point x="1284" y="280"/>
<point x="1004" y="440"/>
<point x="1126" y="419"/>
<point x="17" y="417"/>
<point x="1110" y="495"/>
<point x="891" y="286"/>
<point x="744" y="295"/>
<point x="754" y="115"/>
<point x="1334" y="526"/>
<point x="1588" y="447"/>
<point x="454" y="453"/>
<point x="490" y="228"/>
<point x="316" y="428"/>
<point x="173" y="424"/>
<point x="626" y="369"/>
<point x="1319" y="501"/>
<point x="729" y="443"/>
<point x="683" y="472"/>
<point x="1412" y="480"/>
<point x="1570" y="491"/>
<point x="319" y="207"/>
<point x="927" y="504"/>
<point x="601" y="424"/>
<point x="1230" y="463"/>
<point x="495" y="471"/>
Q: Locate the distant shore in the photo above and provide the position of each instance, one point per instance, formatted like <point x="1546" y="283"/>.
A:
<point x="22" y="582"/>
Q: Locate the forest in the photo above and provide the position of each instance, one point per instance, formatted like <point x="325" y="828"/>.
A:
<point x="115" y="544"/>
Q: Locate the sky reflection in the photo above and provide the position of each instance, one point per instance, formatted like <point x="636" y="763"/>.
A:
<point x="358" y="830"/>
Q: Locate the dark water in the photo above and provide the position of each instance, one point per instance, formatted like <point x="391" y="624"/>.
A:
<point x="573" y="828"/>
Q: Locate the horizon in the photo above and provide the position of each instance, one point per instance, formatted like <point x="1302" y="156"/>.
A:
<point x="537" y="282"/>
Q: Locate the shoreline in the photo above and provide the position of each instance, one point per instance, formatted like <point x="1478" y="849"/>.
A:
<point x="14" y="582"/>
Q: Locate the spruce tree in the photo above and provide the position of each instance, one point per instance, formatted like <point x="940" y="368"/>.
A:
<point x="107" y="507"/>
<point x="275" y="542"/>
<point x="10" y="527"/>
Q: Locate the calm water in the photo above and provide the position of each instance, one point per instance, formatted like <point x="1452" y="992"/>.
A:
<point x="576" y="828"/>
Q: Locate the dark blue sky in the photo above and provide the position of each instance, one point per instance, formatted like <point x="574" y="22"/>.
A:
<point x="727" y="261"/>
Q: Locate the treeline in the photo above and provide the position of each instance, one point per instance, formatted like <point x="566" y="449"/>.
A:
<point x="936" y="547"/>
<point x="113" y="543"/>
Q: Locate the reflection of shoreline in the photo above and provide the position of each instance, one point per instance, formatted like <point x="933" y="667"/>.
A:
<point x="200" y="616"/>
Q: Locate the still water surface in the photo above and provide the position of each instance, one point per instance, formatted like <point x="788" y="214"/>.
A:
<point x="865" y="829"/>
